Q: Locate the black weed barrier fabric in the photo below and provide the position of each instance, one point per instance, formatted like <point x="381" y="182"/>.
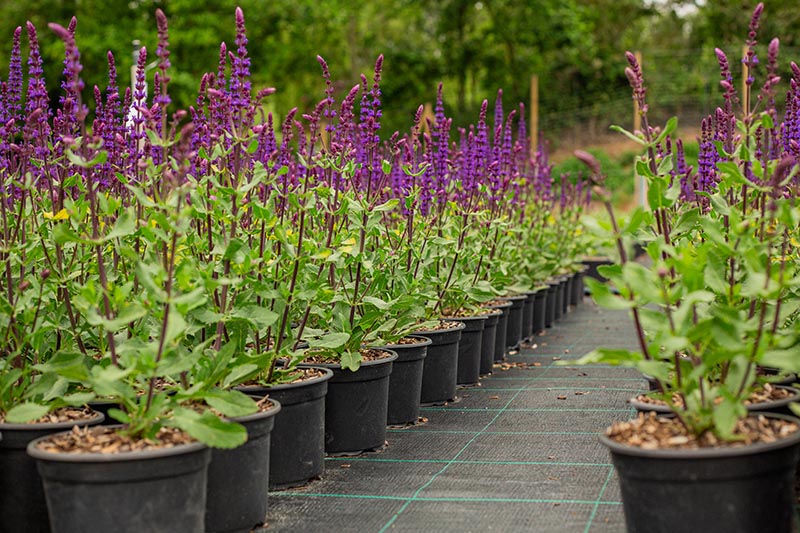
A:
<point x="517" y="453"/>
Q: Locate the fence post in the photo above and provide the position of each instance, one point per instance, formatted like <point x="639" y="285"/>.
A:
<point x="534" y="126"/>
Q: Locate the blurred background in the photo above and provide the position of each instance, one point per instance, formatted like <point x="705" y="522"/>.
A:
<point x="573" y="49"/>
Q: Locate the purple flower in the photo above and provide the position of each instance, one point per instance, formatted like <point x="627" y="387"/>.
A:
<point x="240" y="86"/>
<point x="162" y="52"/>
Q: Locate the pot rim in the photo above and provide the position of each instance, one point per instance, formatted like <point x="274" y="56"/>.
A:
<point x="706" y="453"/>
<point x="426" y="332"/>
<point x="392" y="356"/>
<point x="427" y="342"/>
<point x="96" y="458"/>
<point x="752" y="407"/>
<point x="272" y="411"/>
<point x="6" y="426"/>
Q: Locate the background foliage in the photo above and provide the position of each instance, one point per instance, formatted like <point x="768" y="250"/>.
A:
<point x="475" y="47"/>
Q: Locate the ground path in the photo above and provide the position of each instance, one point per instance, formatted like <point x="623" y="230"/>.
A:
<point x="518" y="453"/>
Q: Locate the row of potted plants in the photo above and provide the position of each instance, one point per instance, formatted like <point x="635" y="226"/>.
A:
<point x="714" y="309"/>
<point x="169" y="268"/>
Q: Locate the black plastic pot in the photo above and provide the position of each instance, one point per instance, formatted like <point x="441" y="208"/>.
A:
<point x="527" y="315"/>
<point x="539" y="310"/>
<point x="550" y="304"/>
<point x="514" y="325"/>
<point x="592" y="263"/>
<point x="356" y="406"/>
<point x="238" y="479"/>
<point x="488" y="342"/>
<point x="441" y="365"/>
<point x="469" y="349"/>
<point x="297" y="452"/>
<point x="405" y="382"/>
<point x="778" y="406"/>
<point x="560" y="290"/>
<point x="747" y="489"/>
<point x="576" y="296"/>
<point x="567" y="283"/>
<point x="501" y="330"/>
<point x="22" y="503"/>
<point x="155" y="491"/>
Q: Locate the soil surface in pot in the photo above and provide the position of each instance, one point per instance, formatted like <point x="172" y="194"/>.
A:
<point x="410" y="340"/>
<point x="466" y="313"/>
<point x="367" y="354"/>
<point x="298" y="374"/>
<point x="60" y="415"/>
<point x="442" y="325"/>
<point x="767" y="393"/>
<point x="651" y="432"/>
<point x="102" y="439"/>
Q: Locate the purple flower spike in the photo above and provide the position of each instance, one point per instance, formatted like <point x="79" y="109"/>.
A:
<point x="162" y="52"/>
<point x="13" y="101"/>
<point x="240" y="86"/>
<point x="73" y="112"/>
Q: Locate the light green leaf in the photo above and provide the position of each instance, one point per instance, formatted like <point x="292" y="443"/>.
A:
<point x="230" y="403"/>
<point x="330" y="341"/>
<point x="25" y="412"/>
<point x="208" y="428"/>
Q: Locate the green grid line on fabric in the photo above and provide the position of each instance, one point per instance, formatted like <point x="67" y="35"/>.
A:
<point x="432" y="499"/>
<point x="463" y="449"/>
<point x="563" y="378"/>
<point x="603" y="490"/>
<point x="525" y="409"/>
<point x="463" y="461"/>
<point x="465" y="432"/>
<point x="600" y="389"/>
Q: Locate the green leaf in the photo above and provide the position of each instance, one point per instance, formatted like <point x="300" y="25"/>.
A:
<point x="124" y="226"/>
<point x="230" y="403"/>
<point x="603" y="296"/>
<point x="261" y="317"/>
<point x="330" y="341"/>
<point x="350" y="360"/>
<point x="208" y="428"/>
<point x="628" y="134"/>
<point x="240" y="373"/>
<point x="25" y="412"/>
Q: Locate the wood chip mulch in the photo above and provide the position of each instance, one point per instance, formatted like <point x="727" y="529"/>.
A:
<point x="442" y="325"/>
<point x="767" y="393"/>
<point x="60" y="415"/>
<point x="101" y="439"/>
<point x="651" y="432"/>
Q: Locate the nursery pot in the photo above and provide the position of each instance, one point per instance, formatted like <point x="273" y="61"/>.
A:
<point x="501" y="330"/>
<point x="576" y="296"/>
<point x="527" y="315"/>
<point x="550" y="304"/>
<point x="488" y="341"/>
<point x="567" y="285"/>
<point x="405" y="381"/>
<point x="560" y="290"/>
<point x="356" y="406"/>
<point x="238" y="479"/>
<point x="780" y="406"/>
<point x="161" y="490"/>
<point x="514" y="326"/>
<point x="297" y="447"/>
<point x="441" y="365"/>
<point x="539" y="310"/>
<point x="22" y="502"/>
<point x="469" y="349"/>
<point x="591" y="266"/>
<point x="747" y="489"/>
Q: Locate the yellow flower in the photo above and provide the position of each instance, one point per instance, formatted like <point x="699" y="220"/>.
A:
<point x="61" y="215"/>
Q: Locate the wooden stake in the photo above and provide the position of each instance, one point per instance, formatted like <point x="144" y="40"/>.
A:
<point x="534" y="125"/>
<point x="745" y="75"/>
